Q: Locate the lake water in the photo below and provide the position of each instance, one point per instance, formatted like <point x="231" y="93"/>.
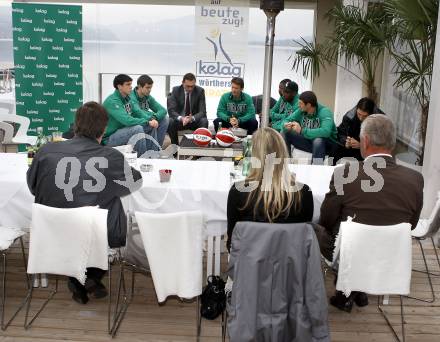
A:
<point x="162" y="58"/>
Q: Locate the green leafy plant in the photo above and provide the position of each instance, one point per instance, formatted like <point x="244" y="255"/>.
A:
<point x="412" y="50"/>
<point x="359" y="36"/>
<point x="406" y="29"/>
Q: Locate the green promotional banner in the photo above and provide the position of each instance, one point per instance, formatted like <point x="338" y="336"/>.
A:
<point x="47" y="43"/>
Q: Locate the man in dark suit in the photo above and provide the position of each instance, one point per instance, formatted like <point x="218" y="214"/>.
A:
<point x="376" y="191"/>
<point x="186" y="107"/>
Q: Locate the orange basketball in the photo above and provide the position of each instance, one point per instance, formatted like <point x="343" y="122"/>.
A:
<point x="225" y="138"/>
<point x="202" y="136"/>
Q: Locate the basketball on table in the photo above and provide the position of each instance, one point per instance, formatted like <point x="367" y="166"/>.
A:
<point x="225" y="138"/>
<point x="202" y="136"/>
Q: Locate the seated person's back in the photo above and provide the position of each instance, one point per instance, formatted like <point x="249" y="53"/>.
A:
<point x="80" y="172"/>
<point x="381" y="192"/>
<point x="270" y="200"/>
<point x="376" y="192"/>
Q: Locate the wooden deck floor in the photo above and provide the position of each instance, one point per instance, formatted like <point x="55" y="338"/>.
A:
<point x="65" y="320"/>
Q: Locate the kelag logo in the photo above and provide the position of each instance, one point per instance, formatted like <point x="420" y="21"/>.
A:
<point x="216" y="68"/>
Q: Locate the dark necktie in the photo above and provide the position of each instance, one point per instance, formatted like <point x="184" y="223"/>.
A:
<point x="187" y="105"/>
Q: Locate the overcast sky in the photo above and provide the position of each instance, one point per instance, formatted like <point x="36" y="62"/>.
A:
<point x="289" y="23"/>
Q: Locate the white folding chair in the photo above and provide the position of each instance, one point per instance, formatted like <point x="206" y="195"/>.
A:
<point x="376" y="260"/>
<point x="21" y="137"/>
<point x="8" y="236"/>
<point x="173" y="247"/>
<point x="65" y="242"/>
<point x="426" y="229"/>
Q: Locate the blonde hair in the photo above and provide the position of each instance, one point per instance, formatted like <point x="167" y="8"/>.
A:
<point x="275" y="193"/>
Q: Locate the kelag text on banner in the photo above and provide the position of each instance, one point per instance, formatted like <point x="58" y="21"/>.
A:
<point x="221" y="44"/>
<point x="47" y="43"/>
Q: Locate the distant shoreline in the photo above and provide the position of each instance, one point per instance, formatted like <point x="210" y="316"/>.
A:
<point x="128" y="42"/>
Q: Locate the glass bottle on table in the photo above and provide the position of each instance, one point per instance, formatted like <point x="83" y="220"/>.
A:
<point x="32" y="150"/>
<point x="30" y="154"/>
<point x="41" y="138"/>
<point x="247" y="152"/>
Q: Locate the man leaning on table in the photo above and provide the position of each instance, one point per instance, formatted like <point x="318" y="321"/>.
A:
<point x="128" y="123"/>
<point x="90" y="122"/>
<point x="380" y="193"/>
<point x="159" y="118"/>
<point x="236" y="109"/>
<point x="311" y="128"/>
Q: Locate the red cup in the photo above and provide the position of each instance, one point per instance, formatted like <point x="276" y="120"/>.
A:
<point x="165" y="175"/>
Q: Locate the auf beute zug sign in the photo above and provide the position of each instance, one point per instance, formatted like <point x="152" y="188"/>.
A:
<point x="221" y="40"/>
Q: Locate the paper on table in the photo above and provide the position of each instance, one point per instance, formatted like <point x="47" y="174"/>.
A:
<point x="189" y="136"/>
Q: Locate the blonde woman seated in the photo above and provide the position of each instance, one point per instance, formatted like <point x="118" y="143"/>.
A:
<point x="269" y="196"/>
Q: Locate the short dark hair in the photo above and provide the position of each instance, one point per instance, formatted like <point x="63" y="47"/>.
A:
<point x="284" y="82"/>
<point x="121" y="79"/>
<point x="188" y="77"/>
<point x="366" y="104"/>
<point x="238" y="81"/>
<point x="90" y="120"/>
<point x="309" y="97"/>
<point x="291" y="86"/>
<point x="143" y="80"/>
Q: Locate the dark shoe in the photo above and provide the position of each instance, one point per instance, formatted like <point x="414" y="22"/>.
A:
<point x="341" y="302"/>
<point x="95" y="288"/>
<point x="79" y="293"/>
<point x="361" y="299"/>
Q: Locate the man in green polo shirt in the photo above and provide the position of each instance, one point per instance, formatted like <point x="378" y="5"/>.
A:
<point x="236" y="109"/>
<point x="286" y="105"/>
<point x="311" y="128"/>
<point x="128" y="124"/>
<point x="159" y="117"/>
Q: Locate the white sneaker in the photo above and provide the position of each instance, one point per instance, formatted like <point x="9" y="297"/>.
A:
<point x="36" y="281"/>
<point x="43" y="280"/>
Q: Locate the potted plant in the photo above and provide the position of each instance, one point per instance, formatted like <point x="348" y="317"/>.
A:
<point x="412" y="45"/>
<point x="359" y="36"/>
<point x="407" y="29"/>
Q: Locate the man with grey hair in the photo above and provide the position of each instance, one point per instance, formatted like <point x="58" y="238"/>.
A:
<point x="376" y="191"/>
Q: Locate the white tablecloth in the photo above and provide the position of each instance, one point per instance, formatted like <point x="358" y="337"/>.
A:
<point x="194" y="185"/>
<point x="205" y="185"/>
<point x="317" y="177"/>
<point x="15" y="197"/>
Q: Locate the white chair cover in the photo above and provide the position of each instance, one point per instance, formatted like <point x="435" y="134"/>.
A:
<point x="21" y="136"/>
<point x="173" y="244"/>
<point x="375" y="259"/>
<point x="67" y="241"/>
<point x="8" y="236"/>
<point x="429" y="227"/>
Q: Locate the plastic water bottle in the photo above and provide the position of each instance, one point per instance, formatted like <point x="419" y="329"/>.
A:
<point x="30" y="154"/>
<point x="41" y="138"/>
<point x="247" y="152"/>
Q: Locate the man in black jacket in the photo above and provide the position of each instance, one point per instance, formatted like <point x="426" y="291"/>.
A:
<point x="350" y="128"/>
<point x="186" y="107"/>
<point x="81" y="172"/>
